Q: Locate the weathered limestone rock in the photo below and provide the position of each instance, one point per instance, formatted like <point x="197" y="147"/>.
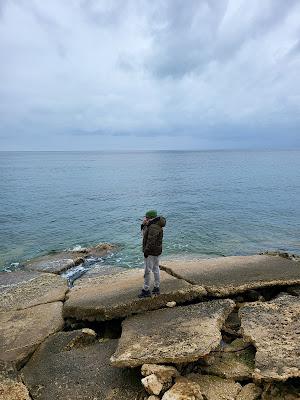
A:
<point x="13" y="390"/>
<point x="98" y="271"/>
<point x="184" y="389"/>
<point x="249" y="392"/>
<point x="273" y="327"/>
<point x="115" y="296"/>
<point x="230" y="275"/>
<point x="176" y="335"/>
<point x="281" y="391"/>
<point x="153" y="397"/>
<point x="215" y="388"/>
<point x="20" y="289"/>
<point x="23" y="330"/>
<point x="164" y="374"/>
<point x="234" y="361"/>
<point x="152" y="384"/>
<point x="58" y="371"/>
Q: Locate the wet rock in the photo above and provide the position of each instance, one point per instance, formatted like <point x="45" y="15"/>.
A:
<point x="20" y="290"/>
<point x="176" y="335"/>
<point x="116" y="296"/>
<point x="183" y="390"/>
<point x="249" y="392"/>
<point x="273" y="327"/>
<point x="22" y="331"/>
<point x="100" y="249"/>
<point x="164" y="374"/>
<point x="215" y="388"/>
<point x="231" y="275"/>
<point x="281" y="391"/>
<point x="54" y="263"/>
<point x="152" y="385"/>
<point x="234" y="361"/>
<point x="80" y="373"/>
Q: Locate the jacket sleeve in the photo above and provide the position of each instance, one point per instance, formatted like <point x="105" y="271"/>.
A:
<point x="154" y="237"/>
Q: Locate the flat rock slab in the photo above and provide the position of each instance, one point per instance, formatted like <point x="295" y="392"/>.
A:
<point x="274" y="329"/>
<point x="229" y="275"/>
<point x="116" y="296"/>
<point x="23" y="330"/>
<point x="281" y="391"/>
<point x="20" y="289"/>
<point x="176" y="335"/>
<point x="59" y="370"/>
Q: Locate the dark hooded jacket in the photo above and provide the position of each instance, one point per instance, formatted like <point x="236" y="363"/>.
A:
<point x="152" y="236"/>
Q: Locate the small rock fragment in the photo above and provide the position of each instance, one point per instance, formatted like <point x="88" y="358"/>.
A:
<point x="183" y="389"/>
<point x="152" y="384"/>
<point x="89" y="332"/>
<point x="171" y="304"/>
<point x="12" y="390"/>
<point x="152" y="397"/>
<point x="165" y="374"/>
<point x="249" y="392"/>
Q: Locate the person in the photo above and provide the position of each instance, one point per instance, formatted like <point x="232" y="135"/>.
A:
<point x="152" y="230"/>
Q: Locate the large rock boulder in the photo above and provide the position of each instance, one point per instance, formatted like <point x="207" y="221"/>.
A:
<point x="22" y="331"/>
<point x="60" y="370"/>
<point x="215" y="388"/>
<point x="177" y="335"/>
<point x="230" y="275"/>
<point x="20" y="289"/>
<point x="273" y="327"/>
<point x="116" y="295"/>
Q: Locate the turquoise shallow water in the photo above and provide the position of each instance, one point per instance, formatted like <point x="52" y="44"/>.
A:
<point x="215" y="202"/>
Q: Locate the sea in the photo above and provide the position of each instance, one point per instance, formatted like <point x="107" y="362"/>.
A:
<point x="216" y="203"/>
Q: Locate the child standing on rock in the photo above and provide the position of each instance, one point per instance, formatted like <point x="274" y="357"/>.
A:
<point x="152" y="229"/>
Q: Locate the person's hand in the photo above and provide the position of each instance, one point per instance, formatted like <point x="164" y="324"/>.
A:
<point x="145" y="255"/>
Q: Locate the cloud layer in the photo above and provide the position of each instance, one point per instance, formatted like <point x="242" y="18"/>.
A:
<point x="138" y="74"/>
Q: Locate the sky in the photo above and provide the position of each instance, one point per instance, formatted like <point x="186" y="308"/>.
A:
<point x="149" y="75"/>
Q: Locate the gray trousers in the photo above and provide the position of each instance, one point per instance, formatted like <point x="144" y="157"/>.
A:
<point x="151" y="265"/>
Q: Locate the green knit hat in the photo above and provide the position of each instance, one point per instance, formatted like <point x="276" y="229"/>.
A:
<point x="151" y="214"/>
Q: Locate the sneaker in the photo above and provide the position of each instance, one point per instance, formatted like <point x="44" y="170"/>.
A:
<point x="144" y="293"/>
<point x="156" y="290"/>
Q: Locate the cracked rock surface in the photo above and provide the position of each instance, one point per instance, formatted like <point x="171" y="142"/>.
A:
<point x="274" y="329"/>
<point x="175" y="335"/>
<point x="22" y="331"/>
<point x="224" y="276"/>
<point x="116" y="296"/>
<point x="58" y="370"/>
<point x="20" y="289"/>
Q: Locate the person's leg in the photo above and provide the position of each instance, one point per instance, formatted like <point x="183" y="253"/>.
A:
<point x="147" y="273"/>
<point x="156" y="273"/>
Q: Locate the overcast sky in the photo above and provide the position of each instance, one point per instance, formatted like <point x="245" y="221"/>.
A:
<point x="141" y="74"/>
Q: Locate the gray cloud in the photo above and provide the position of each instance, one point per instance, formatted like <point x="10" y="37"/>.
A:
<point x="207" y="73"/>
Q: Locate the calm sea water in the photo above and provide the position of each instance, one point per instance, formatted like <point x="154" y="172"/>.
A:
<point x="216" y="203"/>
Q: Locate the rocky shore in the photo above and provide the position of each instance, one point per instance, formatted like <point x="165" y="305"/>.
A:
<point x="225" y="328"/>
